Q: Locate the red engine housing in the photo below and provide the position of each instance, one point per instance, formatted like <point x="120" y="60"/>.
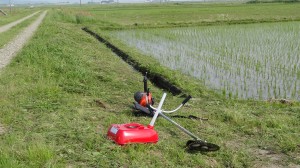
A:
<point x="145" y="99"/>
<point x="132" y="133"/>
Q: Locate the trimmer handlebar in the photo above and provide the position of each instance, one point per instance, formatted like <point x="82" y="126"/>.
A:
<point x="171" y="111"/>
<point x="186" y="100"/>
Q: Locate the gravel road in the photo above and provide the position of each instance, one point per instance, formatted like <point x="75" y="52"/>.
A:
<point x="11" y="49"/>
<point x="10" y="25"/>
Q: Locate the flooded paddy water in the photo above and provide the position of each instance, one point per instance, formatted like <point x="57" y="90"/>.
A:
<point x="259" y="61"/>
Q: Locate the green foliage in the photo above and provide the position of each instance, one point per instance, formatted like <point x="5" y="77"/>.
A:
<point x="65" y="16"/>
<point x="70" y="16"/>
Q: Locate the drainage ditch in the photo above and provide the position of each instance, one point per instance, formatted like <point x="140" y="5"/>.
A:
<point x="156" y="79"/>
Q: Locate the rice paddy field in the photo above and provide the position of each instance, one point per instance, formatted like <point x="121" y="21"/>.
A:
<point x="226" y="46"/>
<point x="60" y="94"/>
<point x="259" y="61"/>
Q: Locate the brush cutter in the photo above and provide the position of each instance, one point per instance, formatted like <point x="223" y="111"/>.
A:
<point x="146" y="109"/>
<point x="141" y="104"/>
<point x="143" y="99"/>
<point x="137" y="133"/>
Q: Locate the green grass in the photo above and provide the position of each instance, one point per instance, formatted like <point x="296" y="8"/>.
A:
<point x="125" y="16"/>
<point x="15" y="14"/>
<point x="14" y="31"/>
<point x="194" y="14"/>
<point x="50" y="94"/>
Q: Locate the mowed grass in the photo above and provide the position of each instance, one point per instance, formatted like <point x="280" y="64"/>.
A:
<point x="61" y="93"/>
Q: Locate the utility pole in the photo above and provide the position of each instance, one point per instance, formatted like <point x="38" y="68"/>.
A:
<point x="10" y="6"/>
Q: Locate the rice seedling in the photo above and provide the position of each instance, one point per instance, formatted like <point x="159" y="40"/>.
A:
<point x="257" y="61"/>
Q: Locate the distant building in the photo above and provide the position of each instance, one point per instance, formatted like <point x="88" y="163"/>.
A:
<point x="102" y="1"/>
<point x="107" y="1"/>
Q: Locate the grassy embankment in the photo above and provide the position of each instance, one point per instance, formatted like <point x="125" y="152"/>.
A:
<point x="60" y="94"/>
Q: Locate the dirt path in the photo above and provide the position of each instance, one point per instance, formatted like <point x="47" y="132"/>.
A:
<point x="11" y="49"/>
<point x="10" y="25"/>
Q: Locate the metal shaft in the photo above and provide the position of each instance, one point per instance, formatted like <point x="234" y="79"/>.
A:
<point x="180" y="127"/>
<point x="158" y="110"/>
